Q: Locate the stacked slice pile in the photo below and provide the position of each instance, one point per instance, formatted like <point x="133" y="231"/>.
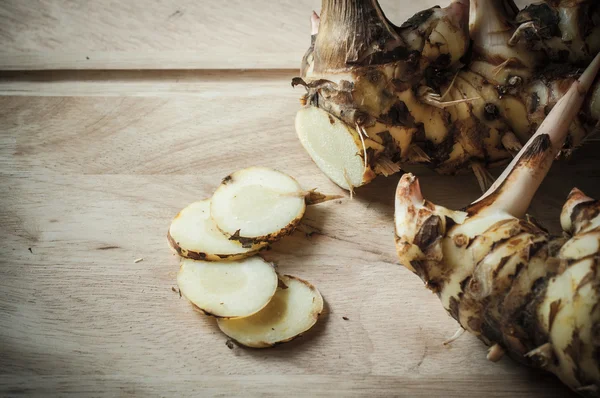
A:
<point x="221" y="273"/>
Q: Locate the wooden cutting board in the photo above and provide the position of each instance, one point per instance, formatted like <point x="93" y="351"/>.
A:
<point x="94" y="165"/>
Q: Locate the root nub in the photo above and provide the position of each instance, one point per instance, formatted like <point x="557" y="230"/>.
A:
<point x="314" y="197"/>
<point x="520" y="32"/>
<point x="455" y="336"/>
<point x="511" y="143"/>
<point x="495" y="353"/>
<point x="542" y="355"/>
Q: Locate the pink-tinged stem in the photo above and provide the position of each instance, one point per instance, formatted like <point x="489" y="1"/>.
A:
<point x="576" y="197"/>
<point x="514" y="189"/>
<point x="314" y="23"/>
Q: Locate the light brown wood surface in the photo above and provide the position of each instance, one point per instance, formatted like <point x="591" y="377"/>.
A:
<point x="163" y="34"/>
<point x="94" y="165"/>
<point x="91" y="182"/>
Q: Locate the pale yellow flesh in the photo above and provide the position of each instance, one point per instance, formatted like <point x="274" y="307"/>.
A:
<point x="291" y="312"/>
<point x="334" y="147"/>
<point x="228" y="289"/>
<point x="257" y="202"/>
<point x="194" y="232"/>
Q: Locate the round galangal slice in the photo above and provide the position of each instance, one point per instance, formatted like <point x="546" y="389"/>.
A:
<point x="258" y="204"/>
<point x="193" y="234"/>
<point x="228" y="289"/>
<point x="293" y="310"/>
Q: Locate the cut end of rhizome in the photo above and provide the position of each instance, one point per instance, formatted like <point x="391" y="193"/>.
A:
<point x="257" y="204"/>
<point x="336" y="148"/>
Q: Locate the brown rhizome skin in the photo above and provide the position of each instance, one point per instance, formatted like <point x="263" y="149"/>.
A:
<point x="503" y="277"/>
<point x="456" y="88"/>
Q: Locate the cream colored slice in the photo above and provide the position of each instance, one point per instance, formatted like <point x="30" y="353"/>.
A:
<point x="193" y="234"/>
<point x="228" y="289"/>
<point x="334" y="146"/>
<point x="293" y="310"/>
<point x="258" y="204"/>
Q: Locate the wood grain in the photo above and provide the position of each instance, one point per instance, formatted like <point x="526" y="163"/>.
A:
<point x="161" y="34"/>
<point x="90" y="183"/>
<point x="96" y="160"/>
<point x="281" y="385"/>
